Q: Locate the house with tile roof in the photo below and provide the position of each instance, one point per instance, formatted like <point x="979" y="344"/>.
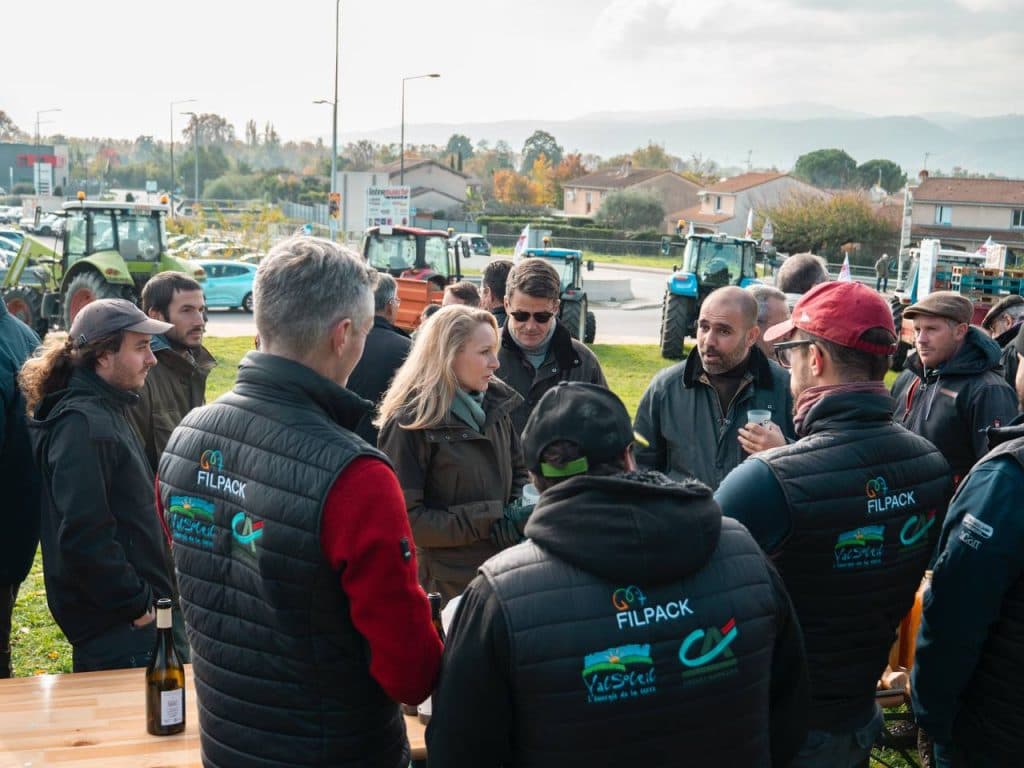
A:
<point x="435" y="186"/>
<point x="964" y="213"/>
<point x="584" y="195"/>
<point x="723" y="207"/>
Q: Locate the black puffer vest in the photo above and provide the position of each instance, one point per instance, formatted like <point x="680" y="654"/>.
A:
<point x="670" y="669"/>
<point x="282" y="676"/>
<point x="990" y="714"/>
<point x="867" y="499"/>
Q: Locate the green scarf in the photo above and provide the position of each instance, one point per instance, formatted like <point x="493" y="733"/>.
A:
<point x="469" y="407"/>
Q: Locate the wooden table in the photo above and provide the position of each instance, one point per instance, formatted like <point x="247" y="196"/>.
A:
<point x="98" y="720"/>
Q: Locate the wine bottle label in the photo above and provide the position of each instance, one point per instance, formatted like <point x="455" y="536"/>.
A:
<point x="172" y="707"/>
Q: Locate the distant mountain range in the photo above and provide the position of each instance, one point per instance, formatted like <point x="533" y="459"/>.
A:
<point x="775" y="136"/>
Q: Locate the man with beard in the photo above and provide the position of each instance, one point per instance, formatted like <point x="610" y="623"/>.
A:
<point x="1002" y="323"/>
<point x="178" y="383"/>
<point x="849" y="513"/>
<point x="693" y="412"/>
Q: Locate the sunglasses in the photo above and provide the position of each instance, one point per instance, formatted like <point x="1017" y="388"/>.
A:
<point x="783" y="351"/>
<point x="521" y="316"/>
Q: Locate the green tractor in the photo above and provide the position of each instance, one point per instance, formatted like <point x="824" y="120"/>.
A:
<point x="108" y="250"/>
<point x="573" y="310"/>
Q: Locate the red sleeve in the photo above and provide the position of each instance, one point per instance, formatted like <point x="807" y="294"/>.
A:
<point x="365" y="534"/>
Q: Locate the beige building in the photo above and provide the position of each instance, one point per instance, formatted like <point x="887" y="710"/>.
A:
<point x="435" y="186"/>
<point x="584" y="195"/>
<point x="724" y="206"/>
<point x="964" y="213"/>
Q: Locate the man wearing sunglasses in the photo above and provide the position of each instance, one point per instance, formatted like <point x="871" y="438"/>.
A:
<point x="537" y="351"/>
<point x="849" y="513"/>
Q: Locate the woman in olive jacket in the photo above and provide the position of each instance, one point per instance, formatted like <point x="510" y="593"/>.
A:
<point x="446" y="425"/>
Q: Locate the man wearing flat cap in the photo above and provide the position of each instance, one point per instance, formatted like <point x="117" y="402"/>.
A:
<point x="601" y="639"/>
<point x="952" y="390"/>
<point x="1002" y="323"/>
<point x="849" y="513"/>
<point x="104" y="552"/>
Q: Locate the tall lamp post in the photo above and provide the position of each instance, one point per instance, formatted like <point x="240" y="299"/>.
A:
<point x="38" y="139"/>
<point x="195" y="155"/>
<point x="401" y="151"/>
<point x="173" y="105"/>
<point x="331" y="221"/>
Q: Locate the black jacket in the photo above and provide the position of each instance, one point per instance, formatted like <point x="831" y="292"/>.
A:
<point x="1008" y="359"/>
<point x="602" y="640"/>
<point x="104" y="551"/>
<point x="386" y="349"/>
<point x="566" y="360"/>
<point x="282" y="674"/>
<point x="953" y="405"/>
<point x="19" y="518"/>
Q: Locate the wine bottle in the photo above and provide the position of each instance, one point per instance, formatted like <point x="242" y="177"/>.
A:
<point x="165" y="679"/>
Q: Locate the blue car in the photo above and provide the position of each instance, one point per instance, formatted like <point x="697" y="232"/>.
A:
<point x="228" y="283"/>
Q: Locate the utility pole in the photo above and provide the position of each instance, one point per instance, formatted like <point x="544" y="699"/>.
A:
<point x="173" y="105"/>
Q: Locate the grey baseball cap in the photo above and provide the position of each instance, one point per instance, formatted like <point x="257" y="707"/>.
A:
<point x="106" y="316"/>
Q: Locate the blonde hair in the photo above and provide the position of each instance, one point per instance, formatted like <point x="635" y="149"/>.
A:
<point x="50" y="367"/>
<point x="424" y="387"/>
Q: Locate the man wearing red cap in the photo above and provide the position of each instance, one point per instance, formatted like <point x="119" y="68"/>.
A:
<point x="849" y="513"/>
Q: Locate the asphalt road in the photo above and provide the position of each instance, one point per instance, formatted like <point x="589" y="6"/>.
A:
<point x="636" y="321"/>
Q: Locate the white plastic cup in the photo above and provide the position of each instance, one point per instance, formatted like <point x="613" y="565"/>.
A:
<point x="759" y="416"/>
<point x="530" y="494"/>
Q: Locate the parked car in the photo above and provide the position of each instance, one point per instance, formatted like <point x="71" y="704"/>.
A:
<point x="50" y="224"/>
<point x="228" y="283"/>
<point x="14" y="235"/>
<point x="10" y="214"/>
<point x="477" y="243"/>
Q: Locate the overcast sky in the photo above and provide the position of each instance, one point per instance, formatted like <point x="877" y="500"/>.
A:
<point x="114" y="66"/>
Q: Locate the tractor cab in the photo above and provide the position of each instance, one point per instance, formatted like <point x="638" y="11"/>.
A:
<point x="423" y="261"/>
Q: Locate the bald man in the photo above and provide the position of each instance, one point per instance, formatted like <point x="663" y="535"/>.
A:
<point x="692" y="412"/>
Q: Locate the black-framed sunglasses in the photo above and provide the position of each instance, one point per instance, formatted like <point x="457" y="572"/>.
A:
<point x="521" y="316"/>
<point x="783" y="351"/>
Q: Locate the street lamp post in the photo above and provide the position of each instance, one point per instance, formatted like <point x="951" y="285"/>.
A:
<point x="195" y="155"/>
<point x="173" y="105"/>
<point x="401" y="150"/>
<point x="38" y="139"/>
<point x="331" y="221"/>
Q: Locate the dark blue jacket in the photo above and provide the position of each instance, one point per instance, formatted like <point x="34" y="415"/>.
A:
<point x="18" y="475"/>
<point x="968" y="678"/>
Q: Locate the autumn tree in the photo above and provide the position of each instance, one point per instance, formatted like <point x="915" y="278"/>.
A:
<point x="540" y="143"/>
<point x="8" y="130"/>
<point x="512" y="188"/>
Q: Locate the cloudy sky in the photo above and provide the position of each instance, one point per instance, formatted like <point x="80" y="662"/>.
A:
<point x="114" y="66"/>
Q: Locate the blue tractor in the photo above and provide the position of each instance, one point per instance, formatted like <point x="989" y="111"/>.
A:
<point x="573" y="311"/>
<point x="709" y="262"/>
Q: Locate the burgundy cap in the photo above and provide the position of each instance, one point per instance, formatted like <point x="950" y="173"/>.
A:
<point x="840" y="312"/>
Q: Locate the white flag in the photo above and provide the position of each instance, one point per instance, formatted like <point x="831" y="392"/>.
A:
<point x="750" y="223"/>
<point x="983" y="248"/>
<point x="844" y="272"/>
<point x="521" y="244"/>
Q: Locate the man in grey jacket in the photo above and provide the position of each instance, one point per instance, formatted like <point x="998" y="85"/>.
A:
<point x="693" y="412"/>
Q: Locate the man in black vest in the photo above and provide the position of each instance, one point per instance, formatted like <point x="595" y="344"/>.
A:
<point x="295" y="561"/>
<point x="635" y="627"/>
<point x="968" y="678"/>
<point x="849" y="513"/>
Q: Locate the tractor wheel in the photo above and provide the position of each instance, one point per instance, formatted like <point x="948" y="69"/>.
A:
<point x="247" y="303"/>
<point x="85" y="288"/>
<point x="573" y="317"/>
<point x="591" y="332"/>
<point x="27" y="305"/>
<point x="675" y="319"/>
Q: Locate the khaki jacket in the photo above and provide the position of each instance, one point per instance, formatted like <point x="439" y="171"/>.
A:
<point x="175" y="386"/>
<point x="457" y="482"/>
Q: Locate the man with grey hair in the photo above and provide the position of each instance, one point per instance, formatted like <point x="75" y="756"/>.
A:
<point x="292" y="546"/>
<point x="771" y="310"/>
<point x="798" y="274"/>
<point x="387" y="346"/>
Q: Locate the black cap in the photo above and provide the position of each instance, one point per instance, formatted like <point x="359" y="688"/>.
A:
<point x="106" y="316"/>
<point x="1013" y="300"/>
<point x="590" y="416"/>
